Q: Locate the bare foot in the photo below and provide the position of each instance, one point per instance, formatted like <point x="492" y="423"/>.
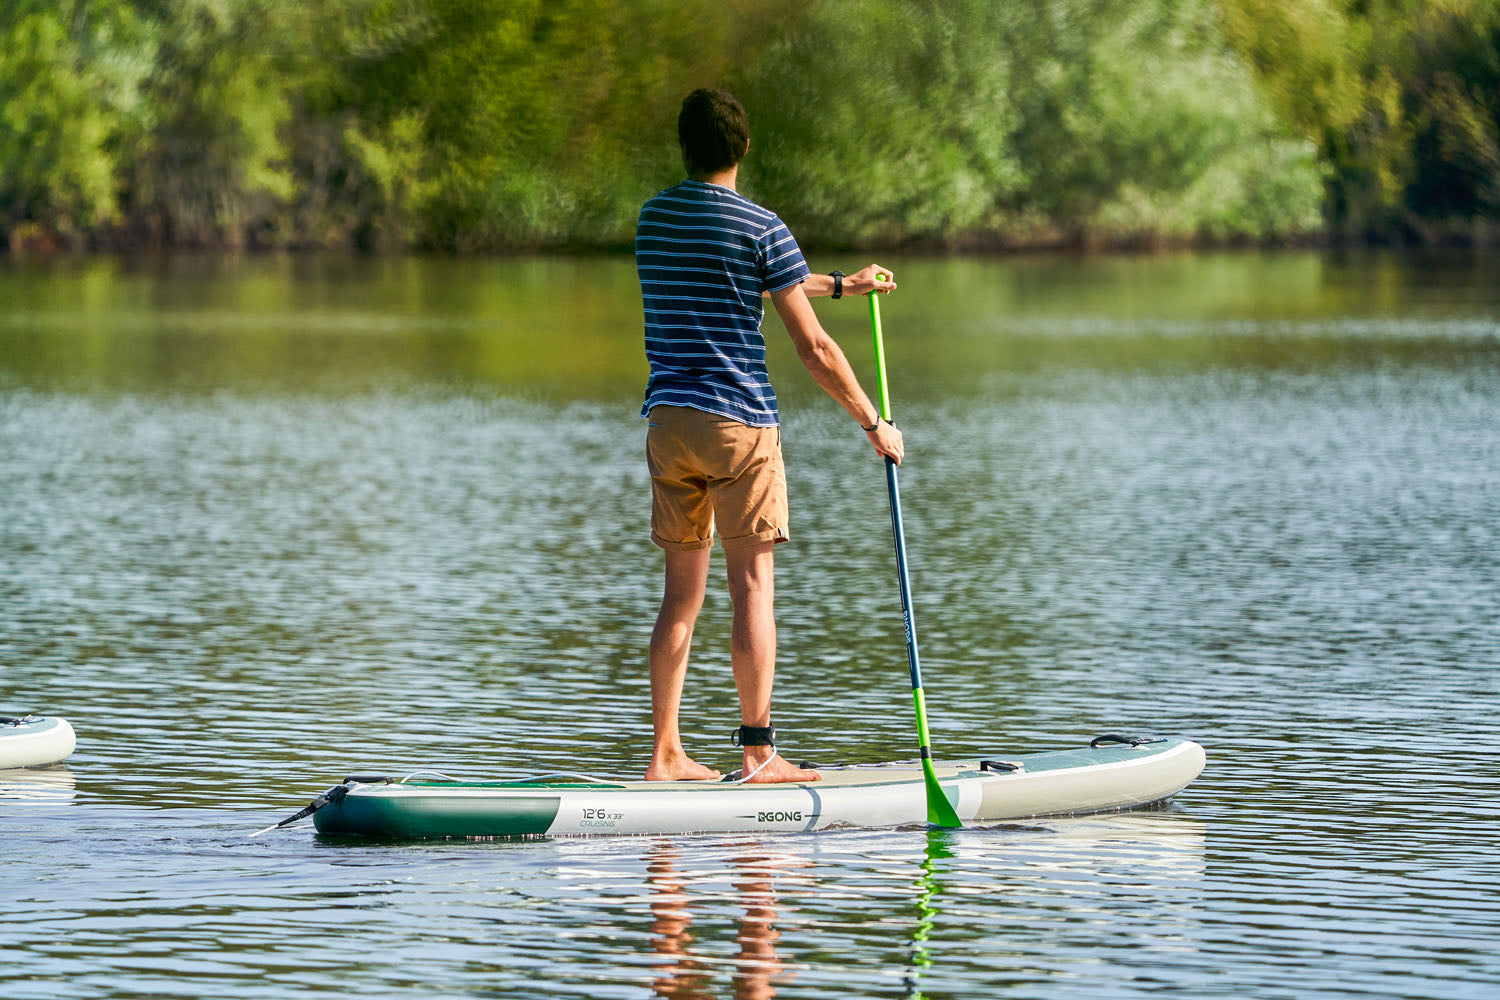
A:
<point x="682" y="768"/>
<point x="778" y="770"/>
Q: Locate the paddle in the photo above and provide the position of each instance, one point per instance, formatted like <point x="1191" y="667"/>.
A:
<point x="939" y="809"/>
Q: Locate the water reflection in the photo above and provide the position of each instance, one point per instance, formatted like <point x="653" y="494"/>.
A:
<point x="927" y="890"/>
<point x="924" y="908"/>
<point x="267" y="522"/>
<point x="37" y="784"/>
<point x="688" y="976"/>
<point x="569" y="329"/>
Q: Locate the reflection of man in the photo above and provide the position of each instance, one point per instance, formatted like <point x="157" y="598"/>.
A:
<point x="757" y="963"/>
<point x="685" y="978"/>
<point x="758" y="960"/>
<point x="705" y="256"/>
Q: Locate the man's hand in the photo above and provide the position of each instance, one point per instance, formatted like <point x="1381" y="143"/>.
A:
<point x="827" y="365"/>
<point x="861" y="282"/>
<point x="887" y="441"/>
<point x="864" y="281"/>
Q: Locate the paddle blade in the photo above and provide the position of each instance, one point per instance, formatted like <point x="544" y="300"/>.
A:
<point x="939" y="810"/>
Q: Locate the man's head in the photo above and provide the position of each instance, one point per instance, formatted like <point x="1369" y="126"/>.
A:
<point x="712" y="130"/>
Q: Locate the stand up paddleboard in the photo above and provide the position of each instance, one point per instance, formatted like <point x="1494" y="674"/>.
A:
<point x="1111" y="773"/>
<point x="34" y="741"/>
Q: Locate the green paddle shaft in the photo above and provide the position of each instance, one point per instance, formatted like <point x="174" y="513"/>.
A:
<point x="939" y="810"/>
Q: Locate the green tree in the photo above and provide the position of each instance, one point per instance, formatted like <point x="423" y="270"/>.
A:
<point x="977" y="123"/>
<point x="1399" y="96"/>
<point x="67" y="89"/>
<point x="208" y="166"/>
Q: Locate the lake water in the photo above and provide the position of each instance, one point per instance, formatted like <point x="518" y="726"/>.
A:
<point x="267" y="521"/>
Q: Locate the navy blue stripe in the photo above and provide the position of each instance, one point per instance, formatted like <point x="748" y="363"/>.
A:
<point x="705" y="254"/>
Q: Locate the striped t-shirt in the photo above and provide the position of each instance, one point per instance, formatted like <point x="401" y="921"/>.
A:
<point x="704" y="255"/>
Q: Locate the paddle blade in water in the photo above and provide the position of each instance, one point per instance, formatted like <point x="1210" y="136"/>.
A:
<point x="939" y="810"/>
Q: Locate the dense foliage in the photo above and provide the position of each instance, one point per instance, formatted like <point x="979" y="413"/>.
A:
<point x="481" y="125"/>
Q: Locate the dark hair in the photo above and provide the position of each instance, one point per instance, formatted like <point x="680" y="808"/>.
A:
<point x="713" y="131"/>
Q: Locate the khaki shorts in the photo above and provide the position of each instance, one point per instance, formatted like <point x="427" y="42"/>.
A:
<point x="709" y="471"/>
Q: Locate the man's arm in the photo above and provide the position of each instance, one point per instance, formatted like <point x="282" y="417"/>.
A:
<point x="826" y="363"/>
<point x="859" y="283"/>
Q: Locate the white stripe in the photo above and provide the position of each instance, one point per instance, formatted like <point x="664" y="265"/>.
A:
<point x="686" y="284"/>
<point x="793" y="252"/>
<point x="737" y="371"/>
<point x="711" y="194"/>
<point x="718" y="350"/>
<point x="776" y="243"/>
<point x="690" y="256"/>
<point x="649" y="230"/>
<point x="758" y="350"/>
<point x="729" y="223"/>
<point x="675" y="268"/>
<point x="690" y="298"/>
<point x="668" y="239"/>
<point x="709" y="210"/>
<point x="659" y="311"/>
<point x="657" y="393"/>
<point x="677" y="390"/>
<point x="701" y="329"/>
<point x="687" y="362"/>
<point x="742" y="304"/>
<point x="714" y="222"/>
<point x="759" y="215"/>
<point x="704" y="255"/>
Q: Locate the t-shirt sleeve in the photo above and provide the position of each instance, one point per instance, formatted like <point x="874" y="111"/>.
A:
<point x="779" y="258"/>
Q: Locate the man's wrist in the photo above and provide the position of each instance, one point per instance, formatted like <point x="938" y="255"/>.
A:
<point x="873" y="424"/>
<point x="838" y="283"/>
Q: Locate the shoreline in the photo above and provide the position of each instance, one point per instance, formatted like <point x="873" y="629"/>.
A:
<point x="1477" y="236"/>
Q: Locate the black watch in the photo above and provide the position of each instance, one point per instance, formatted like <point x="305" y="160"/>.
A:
<point x="838" y="283"/>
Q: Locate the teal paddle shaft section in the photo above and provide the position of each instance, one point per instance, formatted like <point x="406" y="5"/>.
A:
<point x="940" y="811"/>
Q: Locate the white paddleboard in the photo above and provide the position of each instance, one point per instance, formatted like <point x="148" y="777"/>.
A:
<point x="35" y="741"/>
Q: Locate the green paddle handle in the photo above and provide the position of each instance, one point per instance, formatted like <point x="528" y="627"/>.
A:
<point x="885" y="394"/>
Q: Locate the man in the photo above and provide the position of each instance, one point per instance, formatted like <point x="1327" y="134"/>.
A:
<point x="706" y="256"/>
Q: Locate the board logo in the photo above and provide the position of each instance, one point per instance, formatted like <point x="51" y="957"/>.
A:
<point x="779" y="817"/>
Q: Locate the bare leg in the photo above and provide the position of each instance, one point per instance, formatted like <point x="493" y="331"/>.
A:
<point x="752" y="588"/>
<point x="671" y="639"/>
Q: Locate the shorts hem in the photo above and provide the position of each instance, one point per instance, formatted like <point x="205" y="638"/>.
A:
<point x="744" y="541"/>
<point x="693" y="545"/>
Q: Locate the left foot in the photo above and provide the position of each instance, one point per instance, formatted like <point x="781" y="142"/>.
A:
<point x="682" y="768"/>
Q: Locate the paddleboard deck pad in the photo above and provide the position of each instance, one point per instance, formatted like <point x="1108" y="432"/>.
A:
<point x="34" y="741"/>
<point x="1111" y="774"/>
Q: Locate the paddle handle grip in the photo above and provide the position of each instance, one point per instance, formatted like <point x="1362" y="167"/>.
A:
<point x="885" y="396"/>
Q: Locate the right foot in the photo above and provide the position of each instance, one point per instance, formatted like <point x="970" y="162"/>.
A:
<point x="680" y="769"/>
<point x="779" y="770"/>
